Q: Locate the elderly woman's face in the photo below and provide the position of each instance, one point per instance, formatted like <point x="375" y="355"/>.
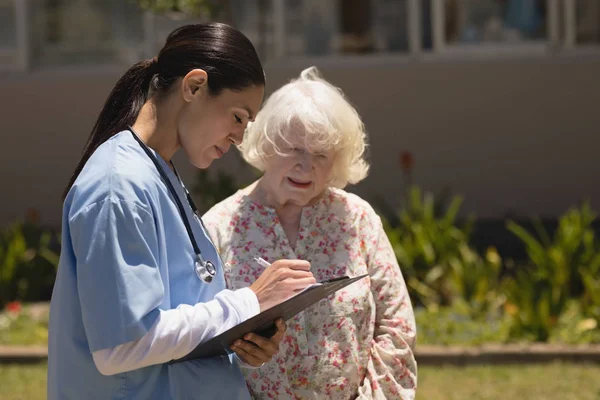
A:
<point x="300" y="175"/>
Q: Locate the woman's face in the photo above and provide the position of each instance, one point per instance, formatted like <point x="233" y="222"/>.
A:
<point x="300" y="175"/>
<point x="209" y="125"/>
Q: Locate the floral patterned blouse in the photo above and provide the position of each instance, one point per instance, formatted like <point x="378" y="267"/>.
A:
<point x="358" y="343"/>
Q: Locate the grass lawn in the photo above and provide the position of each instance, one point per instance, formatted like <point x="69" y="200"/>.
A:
<point x="516" y="382"/>
<point x="23" y="382"/>
<point x="538" y="382"/>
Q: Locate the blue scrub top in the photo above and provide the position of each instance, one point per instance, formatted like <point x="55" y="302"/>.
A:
<point x="125" y="255"/>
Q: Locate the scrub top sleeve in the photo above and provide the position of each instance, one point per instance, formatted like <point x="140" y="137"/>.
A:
<point x="118" y="279"/>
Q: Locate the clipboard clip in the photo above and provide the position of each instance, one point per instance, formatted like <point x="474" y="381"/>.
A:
<point x="339" y="278"/>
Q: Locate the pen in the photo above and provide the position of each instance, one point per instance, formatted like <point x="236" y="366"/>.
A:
<point x="262" y="262"/>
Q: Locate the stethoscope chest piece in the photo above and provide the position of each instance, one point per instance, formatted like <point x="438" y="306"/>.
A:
<point x="205" y="269"/>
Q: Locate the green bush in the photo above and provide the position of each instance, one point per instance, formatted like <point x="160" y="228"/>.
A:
<point x="211" y="190"/>
<point x="554" y="296"/>
<point x="28" y="263"/>
<point x="197" y="8"/>
<point x="591" y="297"/>
<point x="456" y="325"/>
<point x="558" y="270"/>
<point x="574" y="327"/>
<point x="434" y="253"/>
<point x="424" y="243"/>
<point x="475" y="280"/>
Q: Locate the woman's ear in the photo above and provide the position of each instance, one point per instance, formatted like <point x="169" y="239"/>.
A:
<point x="194" y="83"/>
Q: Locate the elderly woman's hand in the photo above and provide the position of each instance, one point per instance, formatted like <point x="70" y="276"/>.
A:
<point x="255" y="350"/>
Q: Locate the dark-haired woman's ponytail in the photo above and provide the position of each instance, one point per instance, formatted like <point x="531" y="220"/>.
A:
<point x="120" y="109"/>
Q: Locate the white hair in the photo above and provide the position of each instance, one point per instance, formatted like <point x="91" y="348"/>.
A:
<point x="329" y="122"/>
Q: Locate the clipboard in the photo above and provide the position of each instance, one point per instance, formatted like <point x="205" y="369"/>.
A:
<point x="264" y="323"/>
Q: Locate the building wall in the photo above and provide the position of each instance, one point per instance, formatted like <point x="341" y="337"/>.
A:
<point x="513" y="135"/>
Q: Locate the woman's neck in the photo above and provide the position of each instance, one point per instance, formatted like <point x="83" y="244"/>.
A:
<point x="156" y="127"/>
<point x="288" y="213"/>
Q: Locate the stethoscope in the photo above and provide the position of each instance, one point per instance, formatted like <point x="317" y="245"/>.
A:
<point x="205" y="269"/>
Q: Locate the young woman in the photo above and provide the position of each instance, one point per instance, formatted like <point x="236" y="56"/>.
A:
<point x="139" y="282"/>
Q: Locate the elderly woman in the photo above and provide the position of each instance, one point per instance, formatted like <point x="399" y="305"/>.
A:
<point x="309" y="143"/>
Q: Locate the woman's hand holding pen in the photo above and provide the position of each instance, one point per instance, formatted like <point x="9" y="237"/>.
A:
<point x="280" y="281"/>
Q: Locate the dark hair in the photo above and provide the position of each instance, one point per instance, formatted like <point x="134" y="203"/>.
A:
<point x="227" y="56"/>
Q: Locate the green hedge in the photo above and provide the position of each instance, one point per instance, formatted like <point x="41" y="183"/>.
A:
<point x="28" y="262"/>
<point x="462" y="296"/>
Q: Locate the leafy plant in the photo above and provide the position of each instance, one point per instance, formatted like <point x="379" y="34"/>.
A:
<point x="456" y="325"/>
<point x="28" y="262"/>
<point x="211" y="190"/>
<point x="590" y="300"/>
<point x="540" y="291"/>
<point x="589" y="267"/>
<point x="574" y="327"/>
<point x="475" y="280"/>
<point x="427" y="242"/>
<point x="204" y="8"/>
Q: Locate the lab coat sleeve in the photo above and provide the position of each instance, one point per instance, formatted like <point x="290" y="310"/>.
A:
<point x="391" y="369"/>
<point x="177" y="332"/>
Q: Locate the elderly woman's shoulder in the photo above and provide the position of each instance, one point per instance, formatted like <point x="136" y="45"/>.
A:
<point x="225" y="208"/>
<point x="351" y="203"/>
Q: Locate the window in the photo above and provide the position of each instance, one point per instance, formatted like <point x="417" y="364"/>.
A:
<point x="161" y="27"/>
<point x="40" y="33"/>
<point x="252" y="17"/>
<point x="494" y="21"/>
<point x="318" y="28"/>
<point x="68" y="32"/>
<point x="255" y="19"/>
<point x="8" y="33"/>
<point x="588" y="22"/>
<point x="390" y="21"/>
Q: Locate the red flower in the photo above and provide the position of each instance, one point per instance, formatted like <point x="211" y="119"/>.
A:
<point x="14" y="307"/>
<point x="407" y="161"/>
